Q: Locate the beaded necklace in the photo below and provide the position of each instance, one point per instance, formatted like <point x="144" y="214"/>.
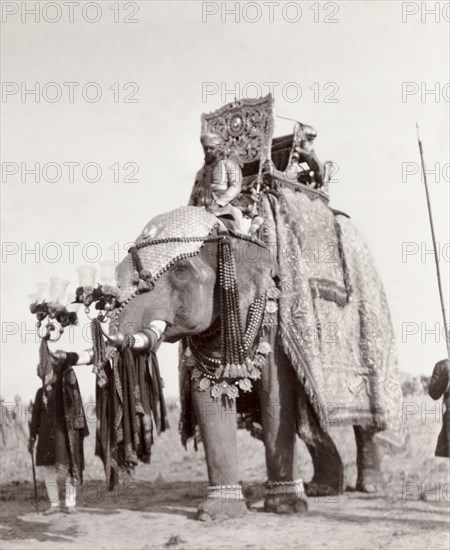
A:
<point x="216" y="368"/>
<point x="235" y="368"/>
<point x="234" y="363"/>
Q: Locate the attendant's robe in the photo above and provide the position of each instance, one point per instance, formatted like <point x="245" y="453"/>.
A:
<point x="59" y="423"/>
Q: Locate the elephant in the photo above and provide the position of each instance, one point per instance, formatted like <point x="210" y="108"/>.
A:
<point x="188" y="279"/>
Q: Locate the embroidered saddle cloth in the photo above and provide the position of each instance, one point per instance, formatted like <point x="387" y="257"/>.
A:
<point x="334" y="319"/>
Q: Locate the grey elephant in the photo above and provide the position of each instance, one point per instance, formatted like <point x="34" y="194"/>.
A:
<point x="271" y="335"/>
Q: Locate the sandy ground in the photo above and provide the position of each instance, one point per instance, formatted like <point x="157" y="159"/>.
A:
<point x="163" y="517"/>
<point x="157" y="509"/>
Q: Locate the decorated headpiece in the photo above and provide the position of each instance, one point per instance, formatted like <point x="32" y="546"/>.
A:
<point x="166" y="239"/>
<point x="211" y="139"/>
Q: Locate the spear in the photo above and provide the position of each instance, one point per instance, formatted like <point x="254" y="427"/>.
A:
<point x="433" y="236"/>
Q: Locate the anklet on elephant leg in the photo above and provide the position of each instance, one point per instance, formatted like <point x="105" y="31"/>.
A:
<point x="228" y="493"/>
<point x="294" y="487"/>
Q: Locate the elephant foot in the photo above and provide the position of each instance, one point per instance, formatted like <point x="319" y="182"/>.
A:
<point x="285" y="497"/>
<point x="216" y="509"/>
<point x="326" y="483"/>
<point x="366" y="487"/>
<point x="285" y="504"/>
<point x="370" y="482"/>
<point x="323" y="488"/>
<point x="328" y="479"/>
<point x="368" y="461"/>
<point x="222" y="502"/>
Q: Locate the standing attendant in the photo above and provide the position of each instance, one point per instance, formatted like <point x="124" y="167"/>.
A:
<point x="59" y="424"/>
<point x="439" y="386"/>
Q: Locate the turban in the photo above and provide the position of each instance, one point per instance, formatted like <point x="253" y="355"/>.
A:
<point x="211" y="139"/>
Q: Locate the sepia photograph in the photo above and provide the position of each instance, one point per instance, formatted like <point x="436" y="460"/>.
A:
<point x="225" y="231"/>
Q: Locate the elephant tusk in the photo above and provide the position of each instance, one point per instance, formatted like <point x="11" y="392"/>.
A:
<point x="143" y="340"/>
<point x="148" y="338"/>
<point x="159" y="327"/>
<point x="104" y="333"/>
<point x="115" y="339"/>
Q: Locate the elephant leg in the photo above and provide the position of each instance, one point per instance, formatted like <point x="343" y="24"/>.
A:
<point x="328" y="479"/>
<point x="367" y="460"/>
<point x="217" y="423"/>
<point x="278" y="395"/>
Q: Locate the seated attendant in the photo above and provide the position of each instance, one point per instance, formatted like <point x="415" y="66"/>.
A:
<point x="218" y="183"/>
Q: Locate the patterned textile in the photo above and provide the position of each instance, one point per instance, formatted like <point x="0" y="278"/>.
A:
<point x="45" y="365"/>
<point x="60" y="423"/>
<point x="129" y="407"/>
<point x="183" y="231"/>
<point x="334" y="319"/>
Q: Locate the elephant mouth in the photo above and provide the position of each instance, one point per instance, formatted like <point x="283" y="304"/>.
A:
<point x="173" y="333"/>
<point x="171" y="339"/>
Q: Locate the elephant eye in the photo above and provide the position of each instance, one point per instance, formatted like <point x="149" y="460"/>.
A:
<point x="180" y="269"/>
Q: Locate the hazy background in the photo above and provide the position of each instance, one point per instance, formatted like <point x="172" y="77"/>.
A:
<point x="169" y="54"/>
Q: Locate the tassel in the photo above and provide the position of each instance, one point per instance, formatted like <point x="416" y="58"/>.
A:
<point x="144" y="286"/>
<point x="99" y="349"/>
<point x="137" y="264"/>
<point x="140" y="277"/>
<point x="145" y="274"/>
<point x="135" y="277"/>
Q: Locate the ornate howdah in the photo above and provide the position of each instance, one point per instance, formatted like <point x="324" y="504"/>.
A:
<point x="246" y="126"/>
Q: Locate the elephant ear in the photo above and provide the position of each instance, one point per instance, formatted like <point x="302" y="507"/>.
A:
<point x="255" y="268"/>
<point x="166" y="239"/>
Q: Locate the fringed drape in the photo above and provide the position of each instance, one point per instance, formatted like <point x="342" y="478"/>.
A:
<point x="129" y="406"/>
<point x="45" y="368"/>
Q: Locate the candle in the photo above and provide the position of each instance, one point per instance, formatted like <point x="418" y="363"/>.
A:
<point x="57" y="289"/>
<point x="42" y="291"/>
<point x="70" y="306"/>
<point x="107" y="273"/>
<point x="86" y="275"/>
